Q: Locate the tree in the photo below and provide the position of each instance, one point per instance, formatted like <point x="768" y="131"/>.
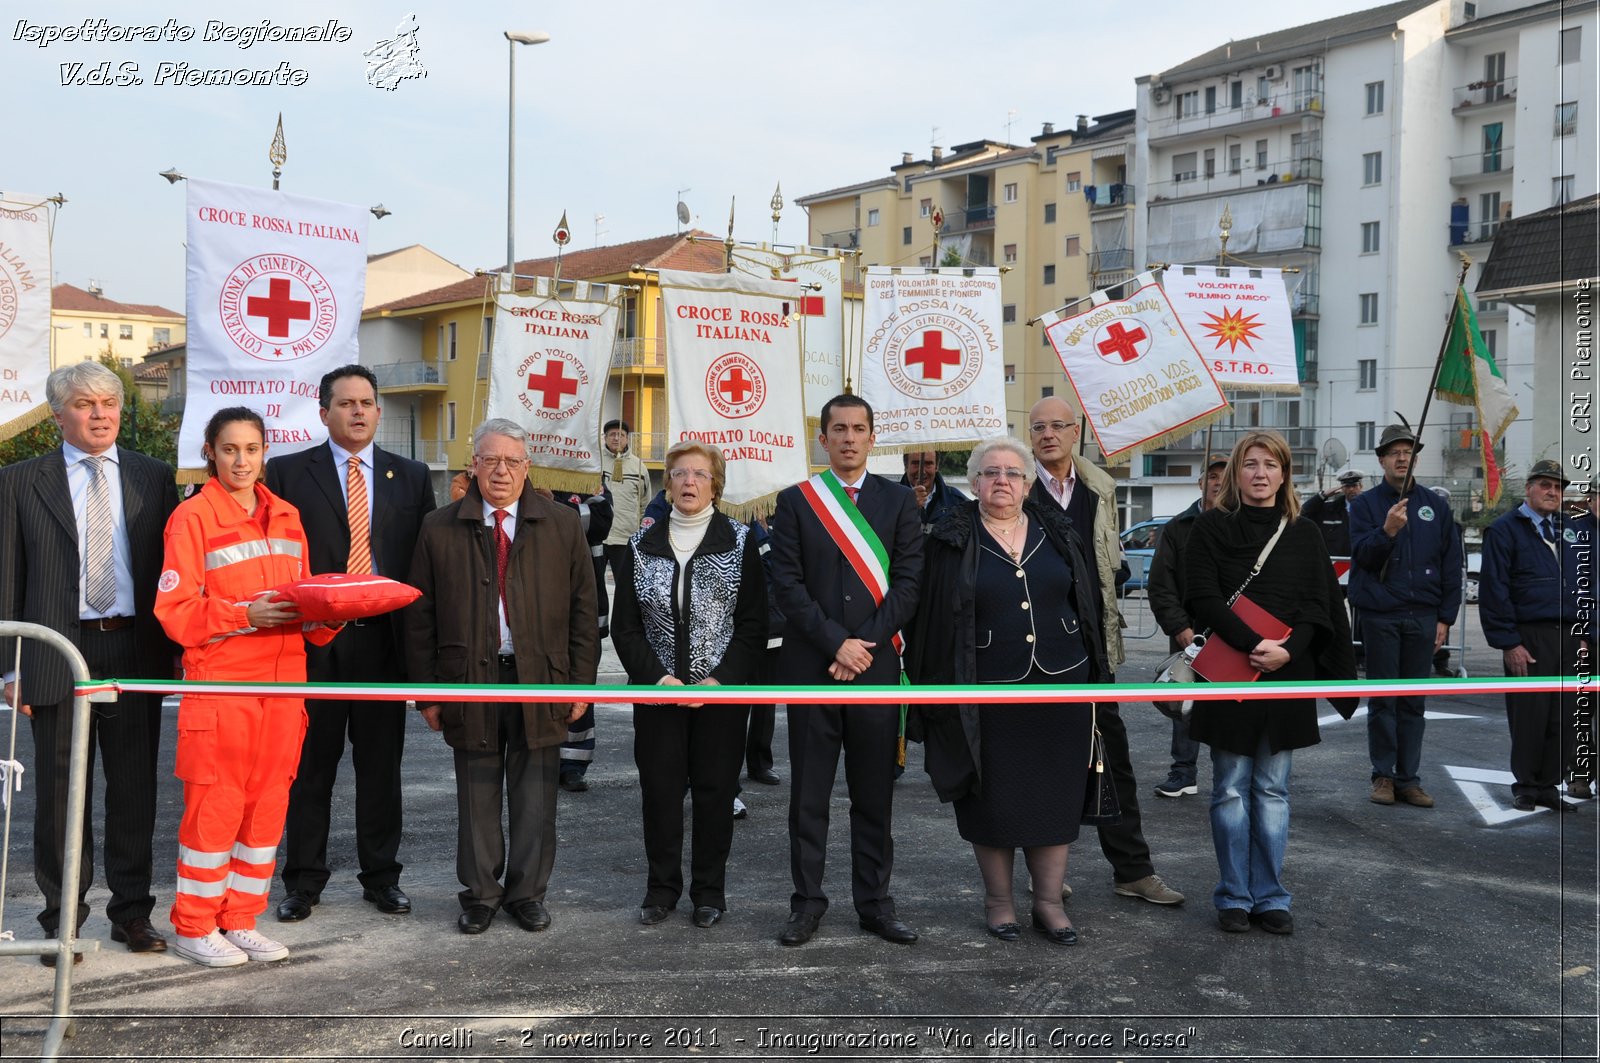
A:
<point x="144" y="427"/>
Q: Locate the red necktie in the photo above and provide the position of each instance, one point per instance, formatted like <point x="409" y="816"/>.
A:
<point x="502" y="551"/>
<point x="852" y="492"/>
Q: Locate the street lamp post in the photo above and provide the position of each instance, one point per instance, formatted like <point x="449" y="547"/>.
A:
<point x="514" y="38"/>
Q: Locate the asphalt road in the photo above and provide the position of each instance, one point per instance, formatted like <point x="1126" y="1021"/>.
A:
<point x="1462" y="932"/>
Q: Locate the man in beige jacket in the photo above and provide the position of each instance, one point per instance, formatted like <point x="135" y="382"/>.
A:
<point x="1089" y="496"/>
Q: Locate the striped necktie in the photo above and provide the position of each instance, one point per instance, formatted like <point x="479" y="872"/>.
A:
<point x="360" y="523"/>
<point x="100" y="570"/>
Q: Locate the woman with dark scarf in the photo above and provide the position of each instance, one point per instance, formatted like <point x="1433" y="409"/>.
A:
<point x="1251" y="741"/>
<point x="1006" y="598"/>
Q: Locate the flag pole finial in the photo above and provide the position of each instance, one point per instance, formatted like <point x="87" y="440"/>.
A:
<point x="278" y="153"/>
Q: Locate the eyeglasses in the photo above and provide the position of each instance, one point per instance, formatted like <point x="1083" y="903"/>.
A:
<point x="496" y="464"/>
<point x="1016" y="476"/>
<point x="1057" y="427"/>
<point x="680" y="473"/>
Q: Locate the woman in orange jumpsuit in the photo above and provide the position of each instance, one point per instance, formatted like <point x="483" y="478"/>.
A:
<point x="225" y="548"/>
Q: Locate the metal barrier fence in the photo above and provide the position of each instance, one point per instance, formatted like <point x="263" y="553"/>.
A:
<point x="65" y="944"/>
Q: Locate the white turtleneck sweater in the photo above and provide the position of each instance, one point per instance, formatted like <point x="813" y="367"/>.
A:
<point x="685" y="532"/>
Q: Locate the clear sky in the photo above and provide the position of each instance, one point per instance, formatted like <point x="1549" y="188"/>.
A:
<point x="628" y="104"/>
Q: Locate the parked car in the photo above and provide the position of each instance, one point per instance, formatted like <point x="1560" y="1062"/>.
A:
<point x="1138" y="547"/>
<point x="1470" y="587"/>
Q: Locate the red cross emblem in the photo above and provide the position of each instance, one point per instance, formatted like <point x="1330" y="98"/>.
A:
<point x="552" y="384"/>
<point x="735" y="385"/>
<point x="278" y="308"/>
<point x="932" y="356"/>
<point x="1122" y="342"/>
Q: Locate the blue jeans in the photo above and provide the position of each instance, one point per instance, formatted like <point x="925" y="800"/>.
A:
<point x="1399" y="646"/>
<point x="1185" y="751"/>
<point x="1250" y="827"/>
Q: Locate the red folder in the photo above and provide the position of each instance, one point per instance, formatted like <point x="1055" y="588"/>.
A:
<point x="1219" y="662"/>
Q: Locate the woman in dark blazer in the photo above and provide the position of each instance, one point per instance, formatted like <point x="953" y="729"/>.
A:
<point x="691" y="608"/>
<point x="1007" y="598"/>
<point x="1251" y="741"/>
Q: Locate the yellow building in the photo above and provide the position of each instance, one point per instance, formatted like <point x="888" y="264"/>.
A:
<point x="84" y="324"/>
<point x="430" y="350"/>
<point x="1056" y="216"/>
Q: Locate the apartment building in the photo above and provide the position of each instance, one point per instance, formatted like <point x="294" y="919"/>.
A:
<point x="84" y="324"/>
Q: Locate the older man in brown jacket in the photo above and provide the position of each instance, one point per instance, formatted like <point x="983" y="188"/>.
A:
<point x="507" y="597"/>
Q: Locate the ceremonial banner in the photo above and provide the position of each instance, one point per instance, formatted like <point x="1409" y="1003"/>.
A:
<point x="818" y="310"/>
<point x="547" y="372"/>
<point x="1239" y="321"/>
<point x="1137" y="377"/>
<point x="734" y="378"/>
<point x="931" y="363"/>
<point x="24" y="310"/>
<point x="274" y="292"/>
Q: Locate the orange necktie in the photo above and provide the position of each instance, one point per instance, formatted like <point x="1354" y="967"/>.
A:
<point x="360" y="523"/>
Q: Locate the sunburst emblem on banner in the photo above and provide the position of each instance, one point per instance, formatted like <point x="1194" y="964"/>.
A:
<point x="1233" y="329"/>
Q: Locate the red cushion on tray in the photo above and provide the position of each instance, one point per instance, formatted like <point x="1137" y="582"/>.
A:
<point x="335" y="596"/>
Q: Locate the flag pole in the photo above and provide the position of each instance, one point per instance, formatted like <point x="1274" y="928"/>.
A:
<point x="1225" y="228"/>
<point x="1438" y="363"/>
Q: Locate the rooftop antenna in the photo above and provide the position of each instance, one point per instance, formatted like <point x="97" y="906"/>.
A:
<point x="599" y="220"/>
<point x="1011" y="116"/>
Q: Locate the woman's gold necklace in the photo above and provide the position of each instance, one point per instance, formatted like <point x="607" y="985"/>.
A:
<point x="1007" y="539"/>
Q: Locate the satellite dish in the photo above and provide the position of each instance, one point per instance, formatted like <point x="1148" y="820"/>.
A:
<point x="1334" y="453"/>
<point x="683" y="213"/>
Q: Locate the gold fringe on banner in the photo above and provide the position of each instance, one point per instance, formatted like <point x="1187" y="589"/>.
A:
<point x="1157" y="442"/>
<point x="193" y="476"/>
<point x="570" y="480"/>
<point x="745" y="512"/>
<point x="18" y="425"/>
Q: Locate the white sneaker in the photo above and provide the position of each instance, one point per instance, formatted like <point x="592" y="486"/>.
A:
<point x="212" y="950"/>
<point x="739" y="811"/>
<point x="256" y="945"/>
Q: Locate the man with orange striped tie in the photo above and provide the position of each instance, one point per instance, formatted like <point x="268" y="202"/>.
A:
<point x="362" y="508"/>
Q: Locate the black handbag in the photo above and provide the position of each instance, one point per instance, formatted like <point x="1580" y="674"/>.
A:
<point x="1100" y="808"/>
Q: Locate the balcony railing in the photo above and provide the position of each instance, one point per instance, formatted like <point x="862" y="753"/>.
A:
<point x="639" y="353"/>
<point x="173" y="403"/>
<point x="961" y="221"/>
<point x="428" y="451"/>
<point x="1273" y="105"/>
<point x="1307" y="168"/>
<point x="1483" y="93"/>
<point x="406" y="374"/>
<point x="1481" y="164"/>
<point x="652" y="446"/>
<point x="1112" y="196"/>
<point x="847" y="238"/>
<point x="1473" y="232"/>
<point x="1112" y="259"/>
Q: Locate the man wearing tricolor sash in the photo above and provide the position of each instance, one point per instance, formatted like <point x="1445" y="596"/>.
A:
<point x="846" y="565"/>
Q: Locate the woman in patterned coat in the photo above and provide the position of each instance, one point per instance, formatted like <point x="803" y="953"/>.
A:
<point x="691" y="608"/>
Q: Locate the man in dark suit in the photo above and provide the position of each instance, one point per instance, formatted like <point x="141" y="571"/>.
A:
<point x="842" y="629"/>
<point x="80" y="552"/>
<point x="349" y="483"/>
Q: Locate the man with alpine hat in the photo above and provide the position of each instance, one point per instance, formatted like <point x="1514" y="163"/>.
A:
<point x="1405" y="578"/>
<point x="1531" y="607"/>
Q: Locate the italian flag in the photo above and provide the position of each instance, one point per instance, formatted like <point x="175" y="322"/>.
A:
<point x="1469" y="377"/>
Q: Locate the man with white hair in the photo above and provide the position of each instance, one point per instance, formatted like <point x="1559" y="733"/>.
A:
<point x="503" y="550"/>
<point x="80" y="552"/>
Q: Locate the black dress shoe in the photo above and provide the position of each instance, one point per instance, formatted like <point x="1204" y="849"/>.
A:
<point x="573" y="783"/>
<point x="706" y="917"/>
<point x="651" y="914"/>
<point x="799" y="928"/>
<point x="766" y="776"/>
<point x="531" y="916"/>
<point x="389" y="899"/>
<point x="296" y="906"/>
<point x="1552" y="801"/>
<point x="49" y="958"/>
<point x="888" y="928"/>
<point x="1006" y="931"/>
<point x="139" y="936"/>
<point x="1523" y="802"/>
<point x="1274" y="921"/>
<point x="476" y="920"/>
<point x="1062" y="935"/>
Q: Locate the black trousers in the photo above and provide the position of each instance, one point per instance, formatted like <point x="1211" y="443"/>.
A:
<point x="672" y="744"/>
<point x="869" y="737"/>
<point x="1123" y="842"/>
<point x="1544" y="726"/>
<point x="763" y="718"/>
<point x="128" y="735"/>
<point x="377" y="733"/>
